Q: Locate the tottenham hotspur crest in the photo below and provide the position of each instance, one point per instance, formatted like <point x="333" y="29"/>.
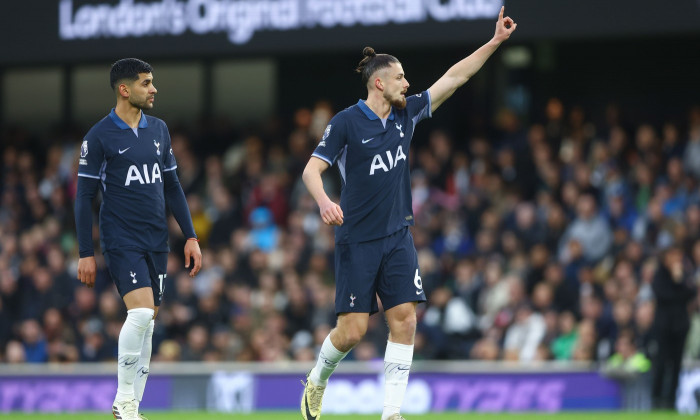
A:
<point x="352" y="300"/>
<point x="133" y="276"/>
<point x="398" y="127"/>
<point x="157" y="147"/>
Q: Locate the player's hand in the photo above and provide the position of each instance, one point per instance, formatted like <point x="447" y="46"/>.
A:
<point x="504" y="27"/>
<point x="331" y="213"/>
<point x="192" y="251"/>
<point x="87" y="270"/>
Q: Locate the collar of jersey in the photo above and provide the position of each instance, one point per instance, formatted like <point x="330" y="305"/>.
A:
<point x="370" y="114"/>
<point x="121" y="124"/>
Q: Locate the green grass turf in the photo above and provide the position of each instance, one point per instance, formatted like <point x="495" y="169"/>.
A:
<point x="171" y="415"/>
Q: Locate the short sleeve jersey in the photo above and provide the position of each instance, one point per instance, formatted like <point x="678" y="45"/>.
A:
<point x="372" y="157"/>
<point x="130" y="165"/>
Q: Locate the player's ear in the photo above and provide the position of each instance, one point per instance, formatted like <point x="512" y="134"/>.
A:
<point x="123" y="90"/>
<point x="378" y="84"/>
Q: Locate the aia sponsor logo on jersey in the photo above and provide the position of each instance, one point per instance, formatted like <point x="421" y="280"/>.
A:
<point x="134" y="174"/>
<point x="392" y="160"/>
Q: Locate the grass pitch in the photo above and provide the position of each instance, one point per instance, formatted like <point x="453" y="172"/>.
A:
<point x="199" y="415"/>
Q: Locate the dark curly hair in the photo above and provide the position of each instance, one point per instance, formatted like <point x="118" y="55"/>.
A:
<point x="127" y="68"/>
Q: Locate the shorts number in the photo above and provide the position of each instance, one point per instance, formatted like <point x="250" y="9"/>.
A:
<point x="161" y="277"/>
<point x="418" y="281"/>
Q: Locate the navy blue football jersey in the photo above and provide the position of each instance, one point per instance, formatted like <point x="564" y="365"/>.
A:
<point x="130" y="167"/>
<point x="372" y="157"/>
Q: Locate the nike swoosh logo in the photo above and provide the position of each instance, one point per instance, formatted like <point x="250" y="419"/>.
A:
<point x="122" y="151"/>
<point x="306" y="406"/>
<point x="418" y="292"/>
<point x="367" y="141"/>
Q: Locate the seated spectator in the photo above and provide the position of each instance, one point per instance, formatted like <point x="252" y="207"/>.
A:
<point x="630" y="367"/>
<point x="35" y="346"/>
<point x="627" y="362"/>
<point x="589" y="229"/>
<point x="14" y="353"/>
<point x="264" y="235"/>
<point x="563" y="346"/>
<point x="524" y="336"/>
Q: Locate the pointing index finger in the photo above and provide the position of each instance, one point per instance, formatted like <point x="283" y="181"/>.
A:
<point x="500" y="14"/>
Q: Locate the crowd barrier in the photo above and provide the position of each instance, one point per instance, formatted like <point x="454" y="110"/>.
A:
<point x="356" y="387"/>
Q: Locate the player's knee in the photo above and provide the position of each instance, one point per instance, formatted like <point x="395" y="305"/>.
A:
<point x="352" y="333"/>
<point x="407" y="326"/>
<point x="139" y="318"/>
<point x="403" y="323"/>
<point x="354" y="336"/>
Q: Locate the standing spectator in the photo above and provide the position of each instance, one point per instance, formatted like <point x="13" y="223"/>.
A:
<point x="673" y="292"/>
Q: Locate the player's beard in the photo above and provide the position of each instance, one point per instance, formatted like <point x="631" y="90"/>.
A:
<point x="398" y="102"/>
<point x="141" y="104"/>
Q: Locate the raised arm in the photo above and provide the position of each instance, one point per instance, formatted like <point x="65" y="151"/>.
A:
<point x="331" y="213"/>
<point x="458" y="74"/>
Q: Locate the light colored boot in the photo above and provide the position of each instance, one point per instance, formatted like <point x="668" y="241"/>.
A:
<point x="125" y="410"/>
<point x="312" y="400"/>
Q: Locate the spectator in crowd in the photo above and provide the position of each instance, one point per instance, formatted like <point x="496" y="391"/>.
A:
<point x="627" y="362"/>
<point x="35" y="346"/>
<point x="563" y="345"/>
<point x="525" y="335"/>
<point x="630" y="366"/>
<point x="643" y="329"/>
<point x="589" y="229"/>
<point x="14" y="353"/>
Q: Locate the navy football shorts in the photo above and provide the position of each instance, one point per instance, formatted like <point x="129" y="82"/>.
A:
<point x="133" y="269"/>
<point x="387" y="267"/>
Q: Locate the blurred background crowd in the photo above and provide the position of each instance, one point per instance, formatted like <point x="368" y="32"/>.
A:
<point x="564" y="239"/>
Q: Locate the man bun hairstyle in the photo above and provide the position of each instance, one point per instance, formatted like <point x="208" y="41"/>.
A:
<point x="127" y="69"/>
<point x="369" y="52"/>
<point x="371" y="62"/>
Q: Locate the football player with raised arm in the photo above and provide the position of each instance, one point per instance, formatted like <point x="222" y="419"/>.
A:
<point x="374" y="251"/>
<point x="127" y="155"/>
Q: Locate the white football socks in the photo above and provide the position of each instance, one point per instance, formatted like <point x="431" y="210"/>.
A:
<point x="130" y="346"/>
<point x="397" y="364"/>
<point x="328" y="359"/>
<point x="144" y="362"/>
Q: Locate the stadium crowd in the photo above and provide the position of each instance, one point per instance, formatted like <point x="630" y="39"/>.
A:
<point x="535" y="242"/>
